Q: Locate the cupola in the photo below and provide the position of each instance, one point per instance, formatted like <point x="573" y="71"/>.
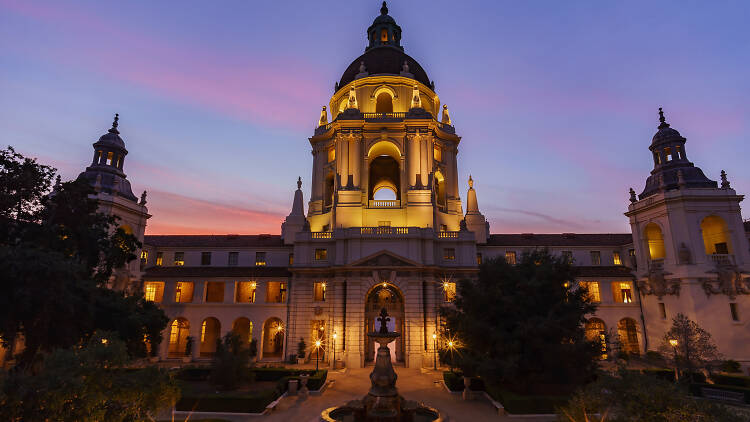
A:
<point x="384" y="31"/>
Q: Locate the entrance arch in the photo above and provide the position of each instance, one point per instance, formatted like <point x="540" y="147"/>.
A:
<point x="627" y="332"/>
<point x="210" y="333"/>
<point x="178" y="333"/>
<point x="273" y="338"/>
<point x="384" y="168"/>
<point x="388" y="296"/>
<point x="243" y="327"/>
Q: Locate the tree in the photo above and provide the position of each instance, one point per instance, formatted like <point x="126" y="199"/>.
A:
<point x="522" y="325"/>
<point x="230" y="362"/>
<point x="695" y="349"/>
<point x="87" y="383"/>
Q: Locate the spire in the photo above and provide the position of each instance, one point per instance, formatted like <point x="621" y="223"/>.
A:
<point x="472" y="207"/>
<point x="114" y="125"/>
<point x="299" y="183"/>
<point x="384" y="31"/>
<point x="323" y="117"/>
<point x="446" y="116"/>
<point x="662" y="121"/>
<point x="297" y="207"/>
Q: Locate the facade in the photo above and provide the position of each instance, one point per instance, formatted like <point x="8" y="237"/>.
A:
<point x="386" y="227"/>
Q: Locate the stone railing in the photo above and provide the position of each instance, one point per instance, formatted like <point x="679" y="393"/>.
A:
<point x="385" y="203"/>
<point x="384" y="230"/>
<point x="447" y="235"/>
<point x="385" y="116"/>
<point x="721" y="259"/>
<point x="321" y="235"/>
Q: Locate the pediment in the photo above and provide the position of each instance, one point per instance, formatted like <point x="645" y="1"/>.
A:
<point x="384" y="258"/>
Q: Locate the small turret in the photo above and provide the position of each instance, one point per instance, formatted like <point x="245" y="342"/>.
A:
<point x="475" y="221"/>
<point x="296" y="220"/>
<point x="446" y="116"/>
<point x="384" y="31"/>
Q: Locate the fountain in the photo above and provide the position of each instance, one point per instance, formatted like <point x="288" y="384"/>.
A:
<point x="382" y="403"/>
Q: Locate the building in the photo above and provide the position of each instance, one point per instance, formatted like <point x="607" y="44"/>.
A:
<point x="386" y="227"/>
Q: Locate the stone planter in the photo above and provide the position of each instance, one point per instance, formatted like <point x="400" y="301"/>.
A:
<point x="303" y="391"/>
<point x="467" y="395"/>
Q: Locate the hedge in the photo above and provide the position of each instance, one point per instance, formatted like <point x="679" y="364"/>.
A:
<point x="526" y="404"/>
<point x="455" y="382"/>
<point x="241" y="403"/>
<point x="194" y="373"/>
<point x="315" y="382"/>
<point x="733" y="380"/>
<point x="665" y="374"/>
<point x="695" y="389"/>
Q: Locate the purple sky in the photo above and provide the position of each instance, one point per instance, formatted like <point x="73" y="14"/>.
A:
<point x="556" y="101"/>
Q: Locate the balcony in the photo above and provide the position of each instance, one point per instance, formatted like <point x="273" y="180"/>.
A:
<point x="721" y="259"/>
<point x="447" y="235"/>
<point x="386" y="117"/>
<point x="384" y="230"/>
<point x="321" y="235"/>
<point x="385" y="203"/>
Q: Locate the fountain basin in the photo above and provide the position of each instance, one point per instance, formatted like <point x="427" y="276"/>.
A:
<point x="347" y="414"/>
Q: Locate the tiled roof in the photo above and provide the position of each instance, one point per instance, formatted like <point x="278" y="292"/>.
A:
<point x="213" y="241"/>
<point x="563" y="239"/>
<point x="601" y="271"/>
<point x="207" y="272"/>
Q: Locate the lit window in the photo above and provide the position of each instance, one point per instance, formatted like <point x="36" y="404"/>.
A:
<point x="616" y="258"/>
<point x="214" y="291"/>
<point x="479" y="259"/>
<point x="98" y="157"/>
<point x="203" y="331"/>
<point x="234" y="258"/>
<point x="144" y="259"/>
<point x="153" y="291"/>
<point x="319" y="291"/>
<point x="596" y="258"/>
<point x="205" y="258"/>
<point x="443" y="228"/>
<point x="321" y="254"/>
<point x="622" y="292"/>
<point x="331" y="154"/>
<point x="438" y="153"/>
<point x="567" y="256"/>
<point x="183" y="292"/>
<point x="668" y="154"/>
<point x="510" y="257"/>
<point x="276" y="292"/>
<point x="110" y="156"/>
<point x="593" y="288"/>
<point x="662" y="310"/>
<point x="449" y="254"/>
<point x="383" y="35"/>
<point x="179" y="258"/>
<point x="449" y="292"/>
<point x="159" y="259"/>
<point x="245" y="292"/>
<point x="735" y="313"/>
<point x="291" y="259"/>
<point x="260" y="259"/>
<point x="677" y="152"/>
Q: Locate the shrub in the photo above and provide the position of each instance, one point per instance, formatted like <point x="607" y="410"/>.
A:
<point x="654" y="356"/>
<point x="733" y="380"/>
<point x="246" y="403"/>
<point x="193" y="373"/>
<point x="730" y="366"/>
<point x="525" y="404"/>
<point x="453" y="381"/>
<point x="664" y="374"/>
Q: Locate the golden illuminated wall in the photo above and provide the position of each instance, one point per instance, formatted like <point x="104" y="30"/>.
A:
<point x="655" y="240"/>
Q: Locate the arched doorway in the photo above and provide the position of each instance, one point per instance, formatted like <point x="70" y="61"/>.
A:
<point x="627" y="332"/>
<point x="178" y="333"/>
<point x="384" y="168"/>
<point x="384" y="103"/>
<point x="243" y="327"/>
<point x="273" y="338"/>
<point x="596" y="331"/>
<point x="388" y="296"/>
<point x="210" y="332"/>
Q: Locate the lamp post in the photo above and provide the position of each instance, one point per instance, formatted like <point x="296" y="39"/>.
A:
<point x="317" y="353"/>
<point x="450" y="346"/>
<point x="673" y="343"/>
<point x="434" y="351"/>
<point x="334" y="350"/>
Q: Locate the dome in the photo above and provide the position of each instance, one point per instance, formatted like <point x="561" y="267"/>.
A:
<point x="112" y="137"/>
<point x="666" y="134"/>
<point x="383" y="19"/>
<point x="385" y="60"/>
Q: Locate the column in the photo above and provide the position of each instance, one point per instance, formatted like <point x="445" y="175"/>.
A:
<point x="342" y="158"/>
<point x="355" y="159"/>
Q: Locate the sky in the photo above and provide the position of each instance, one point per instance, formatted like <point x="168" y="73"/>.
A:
<point x="556" y="102"/>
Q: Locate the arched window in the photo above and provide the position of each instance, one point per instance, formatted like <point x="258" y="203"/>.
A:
<point x="440" y="189"/>
<point x="273" y="338"/>
<point x="127" y="229"/>
<point x="597" y="332"/>
<point x="384" y="193"/>
<point x="178" y="333"/>
<point x="627" y="332"/>
<point x="384" y="103"/>
<point x="210" y="332"/>
<point x="384" y="35"/>
<point x="328" y="190"/>
<point x="655" y="241"/>
<point x="384" y="168"/>
<point x="243" y="327"/>
<point x="716" y="235"/>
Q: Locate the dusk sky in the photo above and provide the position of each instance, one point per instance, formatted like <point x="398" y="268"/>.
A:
<point x="556" y="101"/>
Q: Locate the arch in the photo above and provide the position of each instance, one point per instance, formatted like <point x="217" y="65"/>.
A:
<point x="243" y="327"/>
<point x="384" y="103"/>
<point x="179" y="330"/>
<point x="384" y="167"/>
<point x="596" y="331"/>
<point x="715" y="233"/>
<point x="127" y="229"/>
<point x="344" y="103"/>
<point x="654" y="241"/>
<point x="627" y="332"/>
<point x="440" y="189"/>
<point x="384" y="192"/>
<point x="382" y="148"/>
<point x="210" y="333"/>
<point x="273" y="338"/>
<point x="388" y="296"/>
<point x="328" y="190"/>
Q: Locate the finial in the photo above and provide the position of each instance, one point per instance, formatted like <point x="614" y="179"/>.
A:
<point x="471" y="182"/>
<point x="632" y="196"/>
<point x="446" y="115"/>
<point x="384" y="9"/>
<point x="662" y="121"/>
<point x="114" y="124"/>
<point x="299" y="183"/>
<point x="724" y="181"/>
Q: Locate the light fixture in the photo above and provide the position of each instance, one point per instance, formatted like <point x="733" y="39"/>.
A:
<point x="673" y="342"/>
<point x="434" y="336"/>
<point x="317" y="343"/>
<point x="450" y="344"/>
<point x="335" y="335"/>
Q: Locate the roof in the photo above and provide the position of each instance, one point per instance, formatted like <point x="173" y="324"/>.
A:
<point x="385" y="60"/>
<point x="606" y="271"/>
<point x="214" y="241"/>
<point x="560" y="239"/>
<point x="180" y="271"/>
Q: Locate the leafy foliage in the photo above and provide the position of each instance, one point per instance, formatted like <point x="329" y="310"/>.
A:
<point x="230" y="363"/>
<point x="695" y="348"/>
<point x="522" y="325"/>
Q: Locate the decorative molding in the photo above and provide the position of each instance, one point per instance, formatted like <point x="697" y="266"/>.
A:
<point x="728" y="281"/>
<point x="657" y="284"/>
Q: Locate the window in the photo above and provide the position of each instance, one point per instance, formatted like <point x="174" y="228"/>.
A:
<point x="384" y="35"/>
<point x="622" y="292"/>
<point x="449" y="254"/>
<point x="234" y="258"/>
<point x="144" y="259"/>
<point x="205" y="258"/>
<point x="260" y="259"/>
<point x="276" y="292"/>
<point x="616" y="258"/>
<point x="214" y="291"/>
<point x="479" y="259"/>
<point x="715" y="235"/>
<point x="443" y="228"/>
<point x="596" y="258"/>
<point x="384" y="103"/>
<point x="655" y="241"/>
<point x="291" y="259"/>
<point x="183" y="292"/>
<point x="110" y="156"/>
<point x="668" y="153"/>
<point x="319" y="291"/>
<point x="510" y="257"/>
<point x="159" y="259"/>
<point x="633" y="261"/>
<point x="567" y="256"/>
<point x="245" y="292"/>
<point x="438" y="153"/>
<point x="98" y="157"/>
<point x="179" y="258"/>
<point x="449" y="292"/>
<point x="662" y="310"/>
<point x="734" y="312"/>
<point x="593" y="288"/>
<point x="153" y="291"/>
<point x="657" y="158"/>
<point x="678" y="152"/>
<point x="321" y="254"/>
<point x="331" y="154"/>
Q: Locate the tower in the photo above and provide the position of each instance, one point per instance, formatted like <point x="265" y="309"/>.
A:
<point x="691" y="249"/>
<point x="115" y="196"/>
